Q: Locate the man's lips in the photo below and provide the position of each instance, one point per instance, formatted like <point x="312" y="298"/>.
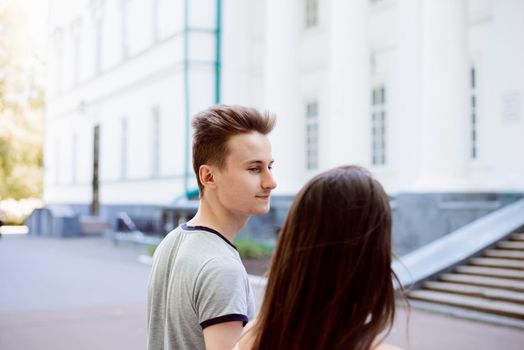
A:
<point x="263" y="196"/>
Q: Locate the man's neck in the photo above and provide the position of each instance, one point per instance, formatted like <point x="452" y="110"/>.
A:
<point x="224" y="222"/>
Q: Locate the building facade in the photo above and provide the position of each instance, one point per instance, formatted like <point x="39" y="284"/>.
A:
<point x="427" y="94"/>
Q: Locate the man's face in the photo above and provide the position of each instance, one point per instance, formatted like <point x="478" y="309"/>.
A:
<point x="245" y="183"/>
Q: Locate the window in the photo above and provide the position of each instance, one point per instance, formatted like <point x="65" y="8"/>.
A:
<point x="98" y="48"/>
<point x="58" y="160"/>
<point x="155" y="114"/>
<point x="378" y="126"/>
<point x="473" y="113"/>
<point x="76" y="37"/>
<point x="312" y="136"/>
<point x="58" y="40"/>
<point x="311" y="13"/>
<point x="74" y="165"/>
<point x="123" y="160"/>
<point x="156" y="34"/>
<point x="95" y="201"/>
<point x="97" y="15"/>
<point x="125" y="16"/>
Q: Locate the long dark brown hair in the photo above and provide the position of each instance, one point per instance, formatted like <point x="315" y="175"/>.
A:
<point x="330" y="284"/>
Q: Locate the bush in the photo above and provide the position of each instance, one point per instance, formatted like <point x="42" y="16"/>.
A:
<point x="151" y="249"/>
<point x="13" y="212"/>
<point x="251" y="249"/>
<point x="247" y="248"/>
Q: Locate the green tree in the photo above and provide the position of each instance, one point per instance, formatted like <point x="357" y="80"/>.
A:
<point x="21" y="108"/>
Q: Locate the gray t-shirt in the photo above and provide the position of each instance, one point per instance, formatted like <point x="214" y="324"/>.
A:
<point x="197" y="280"/>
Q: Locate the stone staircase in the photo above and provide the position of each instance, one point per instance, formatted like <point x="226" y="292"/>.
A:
<point x="491" y="284"/>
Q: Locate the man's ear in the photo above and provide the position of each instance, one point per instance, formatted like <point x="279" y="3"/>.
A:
<point x="207" y="176"/>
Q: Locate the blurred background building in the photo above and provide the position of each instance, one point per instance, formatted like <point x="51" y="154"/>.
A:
<point x="427" y="94"/>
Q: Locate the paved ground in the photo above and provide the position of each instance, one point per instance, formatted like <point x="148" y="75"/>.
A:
<point x="430" y="331"/>
<point x="88" y="294"/>
<point x="71" y="294"/>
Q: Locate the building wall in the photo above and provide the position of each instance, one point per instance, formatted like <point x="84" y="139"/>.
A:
<point x="398" y="34"/>
<point x="138" y="93"/>
<point x="276" y="56"/>
<point x="499" y="49"/>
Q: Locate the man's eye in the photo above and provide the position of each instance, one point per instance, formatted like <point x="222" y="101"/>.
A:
<point x="255" y="170"/>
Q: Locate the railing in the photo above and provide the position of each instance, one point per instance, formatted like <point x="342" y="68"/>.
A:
<point x="459" y="245"/>
<point x="127" y="231"/>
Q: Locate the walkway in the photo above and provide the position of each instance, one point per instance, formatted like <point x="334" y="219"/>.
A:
<point x="87" y="294"/>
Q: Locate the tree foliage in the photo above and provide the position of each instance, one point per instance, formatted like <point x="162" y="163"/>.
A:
<point x="21" y="109"/>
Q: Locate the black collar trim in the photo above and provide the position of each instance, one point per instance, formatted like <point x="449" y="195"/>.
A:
<point x="204" y="228"/>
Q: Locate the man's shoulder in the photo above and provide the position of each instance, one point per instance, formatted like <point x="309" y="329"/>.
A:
<point x="196" y="252"/>
<point x="223" y="264"/>
<point x="222" y="269"/>
<point x="199" y="238"/>
<point x="207" y="242"/>
<point x="198" y="249"/>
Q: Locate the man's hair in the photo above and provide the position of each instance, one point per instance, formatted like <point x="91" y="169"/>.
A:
<point x="214" y="126"/>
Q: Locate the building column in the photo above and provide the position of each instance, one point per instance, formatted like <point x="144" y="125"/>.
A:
<point x="405" y="98"/>
<point x="444" y="96"/>
<point x="348" y="118"/>
<point x="281" y="92"/>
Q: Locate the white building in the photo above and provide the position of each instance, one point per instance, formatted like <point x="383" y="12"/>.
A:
<point x="425" y="93"/>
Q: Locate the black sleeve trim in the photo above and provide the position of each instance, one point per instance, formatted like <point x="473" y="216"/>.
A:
<point x="225" y="318"/>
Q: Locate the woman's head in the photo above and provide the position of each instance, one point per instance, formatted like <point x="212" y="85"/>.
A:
<point x="330" y="282"/>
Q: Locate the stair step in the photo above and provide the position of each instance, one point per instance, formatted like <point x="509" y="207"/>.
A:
<point x="505" y="263"/>
<point x="491" y="293"/>
<point x="517" y="237"/>
<point x="491" y="272"/>
<point x="481" y="304"/>
<point x="513" y="245"/>
<point x="493" y="282"/>
<point x="508" y="254"/>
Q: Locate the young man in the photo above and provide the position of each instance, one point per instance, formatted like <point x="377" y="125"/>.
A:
<point x="199" y="295"/>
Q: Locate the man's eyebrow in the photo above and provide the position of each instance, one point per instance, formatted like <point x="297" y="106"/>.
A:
<point x="259" y="162"/>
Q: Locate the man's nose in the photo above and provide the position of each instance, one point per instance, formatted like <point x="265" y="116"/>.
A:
<point x="268" y="181"/>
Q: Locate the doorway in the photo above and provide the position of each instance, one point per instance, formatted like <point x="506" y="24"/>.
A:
<point x="95" y="203"/>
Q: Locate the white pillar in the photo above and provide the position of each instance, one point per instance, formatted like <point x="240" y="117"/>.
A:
<point x="349" y="139"/>
<point x="282" y="94"/>
<point x="405" y="98"/>
<point x="237" y="52"/>
<point x="445" y="90"/>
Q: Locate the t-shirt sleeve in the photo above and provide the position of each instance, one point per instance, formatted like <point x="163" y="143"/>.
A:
<point x="221" y="293"/>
